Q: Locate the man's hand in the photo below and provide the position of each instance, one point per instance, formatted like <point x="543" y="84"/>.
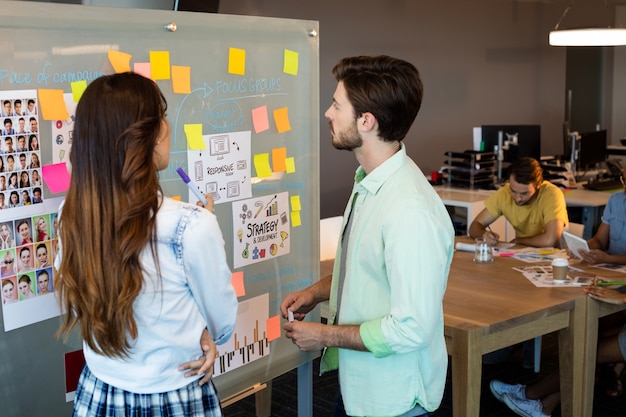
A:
<point x="307" y="336"/>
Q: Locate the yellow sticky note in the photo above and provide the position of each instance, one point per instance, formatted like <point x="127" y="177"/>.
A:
<point x="281" y="118"/>
<point x="160" y="65"/>
<point x="290" y="62"/>
<point x="278" y="159"/>
<point x="260" y="120"/>
<point x="194" y="137"/>
<point x="236" y="61"/>
<point x="290" y="165"/>
<point x="237" y="283"/>
<point x="273" y="328"/>
<point x="120" y="61"/>
<point x="295" y="219"/>
<point x="295" y="203"/>
<point x="78" y="88"/>
<point x="262" y="165"/>
<point x="52" y="105"/>
<point x="181" y="79"/>
<point x="143" y="68"/>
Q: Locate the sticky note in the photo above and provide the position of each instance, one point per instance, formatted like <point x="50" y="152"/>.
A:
<point x="181" y="79"/>
<point x="175" y="197"/>
<point x="290" y="165"/>
<point x="160" y="65"/>
<point x="281" y="118"/>
<point x="52" y="105"/>
<point x="290" y="62"/>
<point x="78" y="88"/>
<point x="295" y="219"/>
<point x="237" y="282"/>
<point x="194" y="137"/>
<point x="295" y="203"/>
<point x="278" y="159"/>
<point x="120" y="61"/>
<point x="273" y="328"/>
<point x="262" y="165"/>
<point x="56" y="177"/>
<point x="236" y="61"/>
<point x="143" y="68"/>
<point x="260" y="120"/>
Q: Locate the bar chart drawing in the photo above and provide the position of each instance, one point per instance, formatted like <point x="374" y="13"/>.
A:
<point x="249" y="340"/>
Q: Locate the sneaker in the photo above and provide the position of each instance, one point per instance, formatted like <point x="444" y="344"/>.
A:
<point x="525" y="408"/>
<point x="499" y="389"/>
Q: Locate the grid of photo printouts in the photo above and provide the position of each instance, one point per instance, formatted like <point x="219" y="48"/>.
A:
<point x="20" y="157"/>
<point x="28" y="247"/>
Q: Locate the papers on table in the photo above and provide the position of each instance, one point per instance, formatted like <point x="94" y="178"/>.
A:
<point x="532" y="255"/>
<point x="541" y="276"/>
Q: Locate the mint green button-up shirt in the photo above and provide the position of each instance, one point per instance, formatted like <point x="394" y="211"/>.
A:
<point x="399" y="253"/>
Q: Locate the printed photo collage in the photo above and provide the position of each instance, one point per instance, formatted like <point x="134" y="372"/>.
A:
<point x="28" y="247"/>
<point x="20" y="157"/>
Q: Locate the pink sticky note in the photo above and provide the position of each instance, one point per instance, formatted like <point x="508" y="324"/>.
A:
<point x="237" y="282"/>
<point x="56" y="177"/>
<point x="273" y="328"/>
<point x="143" y="68"/>
<point x="260" y="119"/>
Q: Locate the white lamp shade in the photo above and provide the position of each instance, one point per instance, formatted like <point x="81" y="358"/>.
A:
<point x="588" y="37"/>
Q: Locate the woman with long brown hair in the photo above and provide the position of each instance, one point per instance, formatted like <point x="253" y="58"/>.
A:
<point x="141" y="275"/>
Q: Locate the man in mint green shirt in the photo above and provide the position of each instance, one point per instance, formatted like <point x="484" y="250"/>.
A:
<point x="385" y="327"/>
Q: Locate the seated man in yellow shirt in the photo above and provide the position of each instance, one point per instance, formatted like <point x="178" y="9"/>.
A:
<point x="534" y="207"/>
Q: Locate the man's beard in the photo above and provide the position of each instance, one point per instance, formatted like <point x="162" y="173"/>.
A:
<point x="348" y="140"/>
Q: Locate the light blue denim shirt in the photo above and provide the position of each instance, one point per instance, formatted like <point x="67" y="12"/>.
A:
<point x="193" y="292"/>
<point x="615" y="216"/>
<point x="399" y="253"/>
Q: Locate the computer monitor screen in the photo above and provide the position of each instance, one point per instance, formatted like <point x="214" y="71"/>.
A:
<point x="517" y="140"/>
<point x="592" y="149"/>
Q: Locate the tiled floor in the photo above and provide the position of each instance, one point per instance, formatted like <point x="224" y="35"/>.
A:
<point x="284" y="391"/>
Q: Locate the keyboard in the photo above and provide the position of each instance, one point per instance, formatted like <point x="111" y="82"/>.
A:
<point x="605" y="185"/>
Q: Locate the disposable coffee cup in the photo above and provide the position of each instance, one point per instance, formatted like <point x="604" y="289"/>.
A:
<point x="559" y="269"/>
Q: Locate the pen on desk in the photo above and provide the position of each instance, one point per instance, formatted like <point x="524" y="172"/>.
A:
<point x="191" y="186"/>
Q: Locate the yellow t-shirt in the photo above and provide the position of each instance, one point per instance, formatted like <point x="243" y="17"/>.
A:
<point x="529" y="220"/>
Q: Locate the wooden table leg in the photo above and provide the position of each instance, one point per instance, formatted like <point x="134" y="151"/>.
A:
<point x="466" y="361"/>
<point x="573" y="362"/>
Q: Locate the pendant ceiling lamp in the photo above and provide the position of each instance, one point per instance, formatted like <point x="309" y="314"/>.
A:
<point x="586" y="36"/>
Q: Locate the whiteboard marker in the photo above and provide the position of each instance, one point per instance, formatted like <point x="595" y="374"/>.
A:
<point x="191" y="186"/>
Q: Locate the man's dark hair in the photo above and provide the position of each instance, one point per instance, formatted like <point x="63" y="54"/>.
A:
<point x="526" y="170"/>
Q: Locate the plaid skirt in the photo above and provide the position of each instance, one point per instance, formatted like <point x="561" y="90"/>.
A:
<point x="97" y="398"/>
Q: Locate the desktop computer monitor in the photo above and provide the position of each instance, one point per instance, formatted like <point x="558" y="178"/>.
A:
<point x="517" y="140"/>
<point x="592" y="149"/>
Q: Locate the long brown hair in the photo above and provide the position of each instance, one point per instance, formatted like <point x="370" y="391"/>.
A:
<point x="109" y="214"/>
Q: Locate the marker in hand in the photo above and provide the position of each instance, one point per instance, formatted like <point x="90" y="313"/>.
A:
<point x="290" y="316"/>
<point x="191" y="186"/>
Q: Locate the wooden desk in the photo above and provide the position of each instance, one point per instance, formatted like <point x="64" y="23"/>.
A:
<point x="490" y="306"/>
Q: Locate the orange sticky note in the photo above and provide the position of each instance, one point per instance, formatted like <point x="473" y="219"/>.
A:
<point x="273" y="328"/>
<point x="295" y="203"/>
<point x="181" y="79"/>
<point x="194" y="137"/>
<point x="56" y="177"/>
<point x="290" y="62"/>
<point x="78" y="88"/>
<point x="290" y="165"/>
<point x="278" y="159"/>
<point x="160" y="65"/>
<point x="120" y="61"/>
<point x="143" y="68"/>
<point x="260" y="119"/>
<point x="237" y="282"/>
<point x="281" y="118"/>
<point x="262" y="165"/>
<point x="175" y="197"/>
<point x="236" y="61"/>
<point x="52" y="105"/>
<point x="295" y="219"/>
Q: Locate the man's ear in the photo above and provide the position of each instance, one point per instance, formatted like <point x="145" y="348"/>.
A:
<point x="367" y="122"/>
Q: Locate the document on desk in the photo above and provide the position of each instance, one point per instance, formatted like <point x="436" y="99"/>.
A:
<point x="534" y="255"/>
<point x="541" y="276"/>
